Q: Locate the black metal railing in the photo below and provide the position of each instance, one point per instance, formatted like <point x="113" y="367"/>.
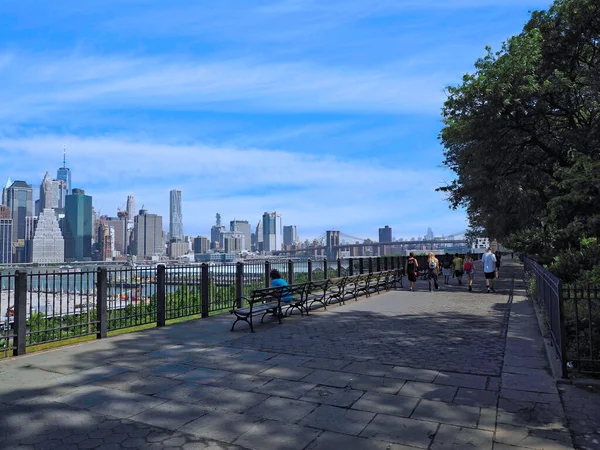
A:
<point x="546" y="289"/>
<point x="46" y="305"/>
<point x="581" y="312"/>
<point x="7" y="309"/>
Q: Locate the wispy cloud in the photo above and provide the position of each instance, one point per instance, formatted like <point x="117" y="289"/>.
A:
<point x="119" y="82"/>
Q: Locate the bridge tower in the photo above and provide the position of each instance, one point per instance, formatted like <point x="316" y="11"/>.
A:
<point x="332" y="240"/>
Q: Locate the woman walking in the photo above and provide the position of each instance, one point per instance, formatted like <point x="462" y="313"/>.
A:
<point x="469" y="269"/>
<point x="433" y="266"/>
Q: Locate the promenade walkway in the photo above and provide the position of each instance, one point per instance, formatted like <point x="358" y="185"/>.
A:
<point x="399" y="370"/>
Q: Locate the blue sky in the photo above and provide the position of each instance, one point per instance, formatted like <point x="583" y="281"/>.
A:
<point x="325" y="111"/>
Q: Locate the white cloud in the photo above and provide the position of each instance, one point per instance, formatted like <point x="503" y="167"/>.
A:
<point x="40" y="85"/>
<point x="313" y="193"/>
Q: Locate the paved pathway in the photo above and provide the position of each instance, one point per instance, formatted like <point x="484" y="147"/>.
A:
<point x="399" y="370"/>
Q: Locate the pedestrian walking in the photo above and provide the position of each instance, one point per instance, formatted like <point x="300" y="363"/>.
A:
<point x="447" y="269"/>
<point x="457" y="264"/>
<point x="498" y="255"/>
<point x="489" y="269"/>
<point x="469" y="269"/>
<point x="433" y="268"/>
<point x="412" y="269"/>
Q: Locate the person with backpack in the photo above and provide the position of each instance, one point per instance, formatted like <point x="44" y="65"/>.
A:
<point x="457" y="264"/>
<point x="447" y="269"/>
<point x="433" y="266"/>
<point x="412" y="269"/>
<point x="469" y="269"/>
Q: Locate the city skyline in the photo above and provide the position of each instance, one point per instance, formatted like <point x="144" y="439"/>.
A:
<point x="247" y="107"/>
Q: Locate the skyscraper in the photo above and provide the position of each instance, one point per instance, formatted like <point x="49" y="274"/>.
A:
<point x="243" y="227"/>
<point x="20" y="202"/>
<point x="48" y="245"/>
<point x="64" y="173"/>
<point x="385" y="234"/>
<point x="78" y="226"/>
<point x="49" y="193"/>
<point x="6" y="247"/>
<point x="271" y="223"/>
<point x="259" y="237"/>
<point x="201" y="244"/>
<point x="290" y="235"/>
<point x="5" y="191"/>
<point x="131" y="211"/>
<point x="148" y="235"/>
<point x="175" y="216"/>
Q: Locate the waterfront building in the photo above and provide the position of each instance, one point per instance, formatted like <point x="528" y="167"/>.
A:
<point x="385" y="234"/>
<point x="6" y="247"/>
<point x="19" y="199"/>
<point x="232" y="242"/>
<point x="78" y="224"/>
<point x="119" y="226"/>
<point x="48" y="245"/>
<point x="148" y="235"/>
<point x="290" y="235"/>
<point x="201" y="244"/>
<point x="272" y="232"/>
<point x="175" y="216"/>
<point x="30" y="227"/>
<point x="242" y="226"/>
<point x="64" y="174"/>
<point x="178" y="249"/>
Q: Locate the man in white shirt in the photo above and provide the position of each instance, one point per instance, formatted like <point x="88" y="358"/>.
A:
<point x="489" y="269"/>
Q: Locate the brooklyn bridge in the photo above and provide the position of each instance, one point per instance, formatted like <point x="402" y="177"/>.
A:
<point x="335" y="244"/>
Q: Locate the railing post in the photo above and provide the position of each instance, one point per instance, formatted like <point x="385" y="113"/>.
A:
<point x="361" y="266"/>
<point x="267" y="273"/>
<point x="161" y="296"/>
<point x="379" y="264"/>
<point x="325" y="274"/>
<point x="339" y="267"/>
<point x="563" y="332"/>
<point x="309" y="265"/>
<point x="205" y="291"/>
<point x="239" y="283"/>
<point x="370" y="265"/>
<point x="350" y="266"/>
<point x="20" y="325"/>
<point x="101" y="301"/>
<point x="290" y="270"/>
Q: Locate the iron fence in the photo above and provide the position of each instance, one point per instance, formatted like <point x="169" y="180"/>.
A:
<point x="49" y="305"/>
<point x="7" y="309"/>
<point x="131" y="297"/>
<point x="581" y="312"/>
<point x="547" y="290"/>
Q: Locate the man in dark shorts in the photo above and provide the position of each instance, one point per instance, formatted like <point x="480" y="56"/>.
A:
<point x="489" y="269"/>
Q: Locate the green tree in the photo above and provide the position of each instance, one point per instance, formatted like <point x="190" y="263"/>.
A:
<point x="522" y="133"/>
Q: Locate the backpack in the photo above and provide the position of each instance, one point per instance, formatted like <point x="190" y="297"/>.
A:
<point x="432" y="264"/>
<point x="468" y="265"/>
<point x="410" y="266"/>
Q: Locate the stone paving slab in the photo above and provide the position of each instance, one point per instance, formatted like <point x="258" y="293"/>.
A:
<point x="395" y="371"/>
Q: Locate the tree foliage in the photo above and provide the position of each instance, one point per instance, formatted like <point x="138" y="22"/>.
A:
<point x="522" y="133"/>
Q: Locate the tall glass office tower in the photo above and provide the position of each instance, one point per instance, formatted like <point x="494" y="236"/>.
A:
<point x="64" y="173"/>
<point x="78" y="226"/>
<point x="175" y="216"/>
<point x="20" y="202"/>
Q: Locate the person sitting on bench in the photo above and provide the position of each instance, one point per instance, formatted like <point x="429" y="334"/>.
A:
<point x="277" y="281"/>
